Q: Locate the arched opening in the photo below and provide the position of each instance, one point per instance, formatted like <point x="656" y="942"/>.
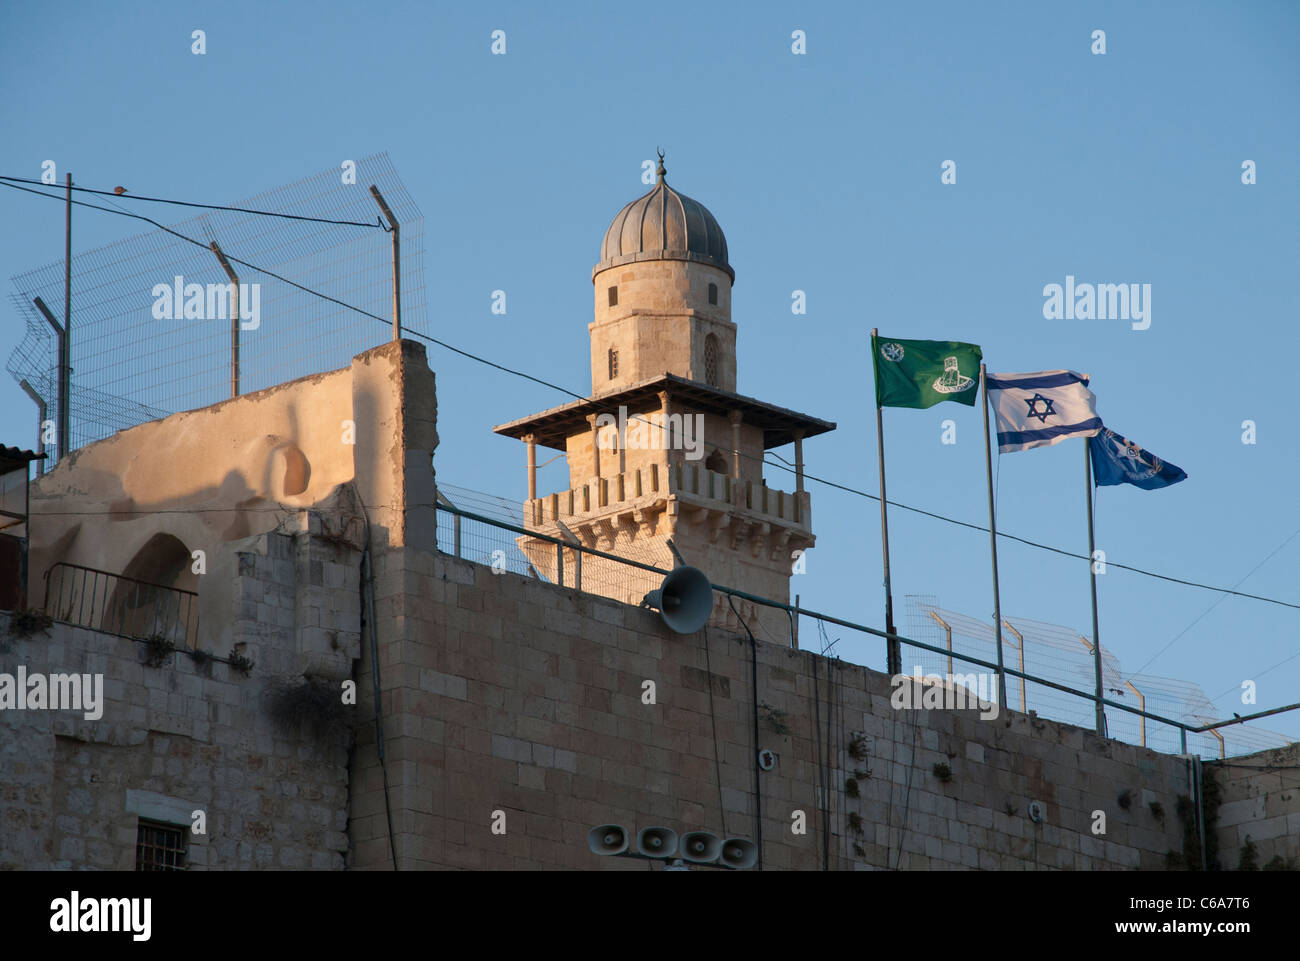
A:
<point x="141" y="604"/>
<point x="713" y="294"/>
<point x="711" y="360"/>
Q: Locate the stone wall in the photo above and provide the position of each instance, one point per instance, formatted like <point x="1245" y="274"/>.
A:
<point x="504" y="696"/>
<point x="1259" y="797"/>
<point x="188" y="735"/>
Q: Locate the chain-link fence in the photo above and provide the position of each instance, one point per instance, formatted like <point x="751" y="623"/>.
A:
<point x="130" y="365"/>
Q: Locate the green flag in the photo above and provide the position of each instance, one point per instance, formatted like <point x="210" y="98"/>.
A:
<point x="921" y="373"/>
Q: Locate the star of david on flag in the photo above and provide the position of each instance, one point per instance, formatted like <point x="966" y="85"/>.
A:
<point x="1041" y="409"/>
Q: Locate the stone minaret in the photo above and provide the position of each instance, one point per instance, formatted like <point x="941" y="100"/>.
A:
<point x="665" y="447"/>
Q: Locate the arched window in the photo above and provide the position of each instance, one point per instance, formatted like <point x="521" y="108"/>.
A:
<point x="613" y="363"/>
<point x="713" y="293"/>
<point x="711" y="360"/>
<point x="141" y="605"/>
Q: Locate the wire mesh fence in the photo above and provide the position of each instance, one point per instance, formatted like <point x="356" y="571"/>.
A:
<point x="1060" y="654"/>
<point x="1049" y="652"/>
<point x="130" y="365"/>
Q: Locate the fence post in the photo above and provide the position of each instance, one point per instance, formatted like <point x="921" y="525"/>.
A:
<point x="1021" y="638"/>
<point x="948" y="631"/>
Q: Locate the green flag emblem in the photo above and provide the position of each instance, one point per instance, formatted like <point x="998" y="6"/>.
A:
<point x="921" y="373"/>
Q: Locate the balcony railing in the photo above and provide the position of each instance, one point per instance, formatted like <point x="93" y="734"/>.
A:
<point x="121" y="605"/>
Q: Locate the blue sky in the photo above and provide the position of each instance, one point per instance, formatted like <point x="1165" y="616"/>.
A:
<point x="824" y="171"/>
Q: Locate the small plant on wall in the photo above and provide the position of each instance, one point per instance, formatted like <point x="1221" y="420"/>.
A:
<point x="158" y="650"/>
<point x="943" y="772"/>
<point x="23" y="624"/>
<point x="313" y="702"/>
<point x="773" y="718"/>
<point x="239" y="663"/>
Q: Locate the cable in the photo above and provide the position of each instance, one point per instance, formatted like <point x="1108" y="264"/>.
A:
<point x="821" y="767"/>
<point x="1220" y="600"/>
<point x="713" y="718"/>
<point x="574" y="394"/>
<point x="187" y="203"/>
<point x="758" y="794"/>
<point x="907" y="799"/>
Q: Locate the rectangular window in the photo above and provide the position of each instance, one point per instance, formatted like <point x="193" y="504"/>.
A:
<point x="613" y="364"/>
<point x="159" y="847"/>
<point x="613" y="296"/>
<point x="713" y="293"/>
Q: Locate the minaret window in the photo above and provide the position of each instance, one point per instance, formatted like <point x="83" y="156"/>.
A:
<point x="613" y="361"/>
<point x="713" y="293"/>
<point x="711" y="360"/>
<point x="613" y="296"/>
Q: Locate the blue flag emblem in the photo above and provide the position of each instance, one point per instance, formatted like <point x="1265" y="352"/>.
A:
<point x="1117" y="460"/>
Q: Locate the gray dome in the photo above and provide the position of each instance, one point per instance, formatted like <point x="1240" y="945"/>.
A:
<point x="664" y="225"/>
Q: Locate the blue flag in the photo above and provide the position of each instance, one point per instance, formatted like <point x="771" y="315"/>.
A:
<point x="1117" y="460"/>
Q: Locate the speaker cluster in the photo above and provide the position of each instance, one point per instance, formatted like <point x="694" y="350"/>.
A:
<point x="660" y="843"/>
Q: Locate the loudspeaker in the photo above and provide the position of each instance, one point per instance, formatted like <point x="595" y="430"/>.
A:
<point x="701" y="847"/>
<point x="607" y="839"/>
<point x="738" y="853"/>
<point x="684" y="600"/>
<point x="656" y="842"/>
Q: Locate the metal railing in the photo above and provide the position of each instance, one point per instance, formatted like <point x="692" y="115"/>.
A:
<point x="121" y="605"/>
<point x="563" y="547"/>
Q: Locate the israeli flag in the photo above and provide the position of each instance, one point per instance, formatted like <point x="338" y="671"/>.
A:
<point x="1038" y="410"/>
<point x="1117" y="460"/>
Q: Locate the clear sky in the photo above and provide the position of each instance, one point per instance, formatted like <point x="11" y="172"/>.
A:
<point x="824" y="169"/>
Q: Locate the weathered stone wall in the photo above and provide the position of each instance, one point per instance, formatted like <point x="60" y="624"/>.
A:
<point x="1259" y="797"/>
<point x="190" y="736"/>
<point x="202" y="479"/>
<point x="504" y="694"/>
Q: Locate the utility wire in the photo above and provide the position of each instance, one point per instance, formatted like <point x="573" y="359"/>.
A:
<point x="187" y="203"/>
<point x="577" y="396"/>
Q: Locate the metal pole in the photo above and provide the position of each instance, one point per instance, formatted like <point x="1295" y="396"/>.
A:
<point x="397" y="261"/>
<point x="65" y="360"/>
<point x="894" y="651"/>
<point x="62" y="399"/>
<point x="1020" y="639"/>
<point x="1142" y="705"/>
<point x="234" y="319"/>
<point x="993" y="542"/>
<point x="947" y="633"/>
<point x="1092" y="577"/>
<point x="40" y="423"/>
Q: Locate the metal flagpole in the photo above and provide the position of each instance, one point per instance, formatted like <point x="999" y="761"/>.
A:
<point x="993" y="543"/>
<point x="1092" y="575"/>
<point x="893" y="651"/>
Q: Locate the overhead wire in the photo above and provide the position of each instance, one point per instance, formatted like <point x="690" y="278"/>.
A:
<point x="545" y="383"/>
